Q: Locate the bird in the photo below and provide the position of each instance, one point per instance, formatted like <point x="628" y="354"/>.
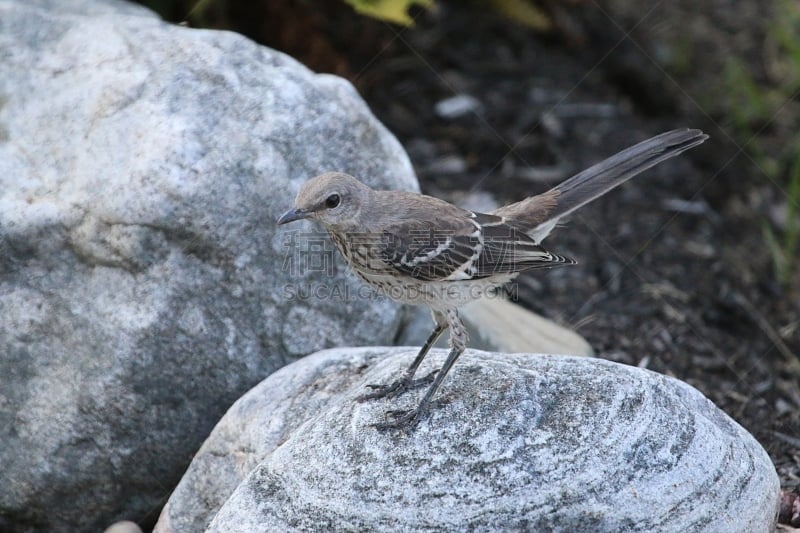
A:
<point x="421" y="250"/>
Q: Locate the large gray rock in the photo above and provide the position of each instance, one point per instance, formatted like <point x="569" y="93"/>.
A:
<point x="517" y="442"/>
<point x="143" y="283"/>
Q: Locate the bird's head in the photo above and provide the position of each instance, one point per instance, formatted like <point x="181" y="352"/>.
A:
<point x="333" y="198"/>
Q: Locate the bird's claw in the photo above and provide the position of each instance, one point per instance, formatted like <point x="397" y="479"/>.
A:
<point x="395" y="388"/>
<point x="401" y="419"/>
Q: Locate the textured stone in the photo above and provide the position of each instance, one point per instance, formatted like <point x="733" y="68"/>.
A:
<point x="125" y="526"/>
<point x="143" y="283"/>
<point x="516" y="442"/>
<point x="498" y="325"/>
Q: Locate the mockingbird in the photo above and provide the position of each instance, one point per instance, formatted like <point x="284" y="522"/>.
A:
<point x="420" y="250"/>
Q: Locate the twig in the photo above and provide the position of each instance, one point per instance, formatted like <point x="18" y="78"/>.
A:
<point x="792" y="360"/>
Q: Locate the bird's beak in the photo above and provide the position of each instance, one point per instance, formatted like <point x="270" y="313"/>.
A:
<point x="293" y="214"/>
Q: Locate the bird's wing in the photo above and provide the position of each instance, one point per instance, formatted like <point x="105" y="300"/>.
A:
<point x="461" y="248"/>
<point x="507" y="249"/>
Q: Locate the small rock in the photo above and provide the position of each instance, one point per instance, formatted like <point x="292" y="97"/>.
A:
<point x="449" y="164"/>
<point x="553" y="125"/>
<point x="476" y="200"/>
<point x="498" y="325"/>
<point x="421" y="149"/>
<point x="694" y="207"/>
<point x="125" y="526"/>
<point x="457" y="106"/>
<point x="779" y="216"/>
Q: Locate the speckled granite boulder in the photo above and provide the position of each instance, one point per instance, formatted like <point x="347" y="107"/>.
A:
<point x="517" y="442"/>
<point x="143" y="282"/>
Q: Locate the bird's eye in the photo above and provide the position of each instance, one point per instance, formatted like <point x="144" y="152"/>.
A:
<point x="332" y="201"/>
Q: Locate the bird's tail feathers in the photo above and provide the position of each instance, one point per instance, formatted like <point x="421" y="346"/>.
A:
<point x="597" y="180"/>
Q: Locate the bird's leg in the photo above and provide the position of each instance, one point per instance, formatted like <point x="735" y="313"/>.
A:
<point x="458" y="343"/>
<point x="407" y="382"/>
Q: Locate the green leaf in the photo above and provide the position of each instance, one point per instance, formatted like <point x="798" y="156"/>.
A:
<point x="395" y="11"/>
<point x="775" y="251"/>
<point x="523" y="12"/>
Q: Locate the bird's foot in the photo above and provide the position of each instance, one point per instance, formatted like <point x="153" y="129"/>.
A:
<point x="396" y="388"/>
<point x="400" y="419"/>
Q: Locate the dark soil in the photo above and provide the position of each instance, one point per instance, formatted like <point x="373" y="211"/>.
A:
<point x="673" y="270"/>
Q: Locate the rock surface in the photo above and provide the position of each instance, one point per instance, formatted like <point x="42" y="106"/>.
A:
<point x="143" y="282"/>
<point x="516" y="442"/>
<point x="498" y="325"/>
<point x="124" y="527"/>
